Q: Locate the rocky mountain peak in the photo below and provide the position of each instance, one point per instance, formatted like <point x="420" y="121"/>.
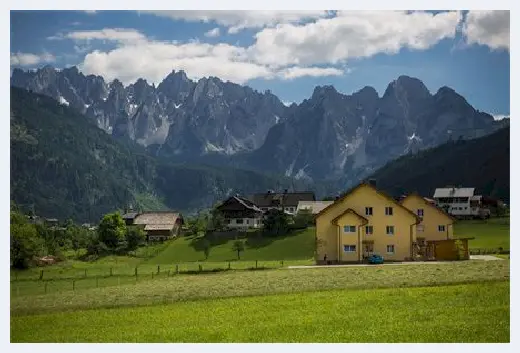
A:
<point x="407" y="86"/>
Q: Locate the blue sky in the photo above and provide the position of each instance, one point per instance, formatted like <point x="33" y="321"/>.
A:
<point x="287" y="52"/>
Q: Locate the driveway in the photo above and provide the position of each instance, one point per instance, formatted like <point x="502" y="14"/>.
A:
<point x="485" y="257"/>
<point x="368" y="265"/>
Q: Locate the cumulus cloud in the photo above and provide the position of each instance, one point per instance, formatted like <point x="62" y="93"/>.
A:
<point x="154" y="60"/>
<point x="238" y="20"/>
<point x="295" y="72"/>
<point x="215" y="32"/>
<point x="352" y="34"/>
<point x="489" y="28"/>
<point x="29" y="59"/>
<point x="287" y="51"/>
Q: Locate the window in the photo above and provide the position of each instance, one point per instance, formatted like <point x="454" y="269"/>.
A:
<point x="389" y="211"/>
<point x="368" y="211"/>
<point x="349" y="248"/>
<point x="239" y="221"/>
<point x="420" y="228"/>
<point x="369" y="230"/>
<point x="420" y="212"/>
<point x="390" y="249"/>
<point x="349" y="229"/>
<point x="247" y="221"/>
<point x="442" y="228"/>
<point x="228" y="221"/>
<point x="390" y="230"/>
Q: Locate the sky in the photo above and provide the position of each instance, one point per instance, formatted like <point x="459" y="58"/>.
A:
<point x="287" y="52"/>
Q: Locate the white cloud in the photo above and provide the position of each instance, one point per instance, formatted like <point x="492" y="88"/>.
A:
<point x="489" y="28"/>
<point x="215" y="32"/>
<point x="28" y="59"/>
<point x="287" y="51"/>
<point x="154" y="60"/>
<point x="239" y="20"/>
<point x="352" y="34"/>
<point x="122" y="35"/>
<point x="500" y="116"/>
<point x="295" y="72"/>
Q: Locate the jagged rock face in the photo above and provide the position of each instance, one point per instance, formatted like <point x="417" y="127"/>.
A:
<point x="328" y="136"/>
<point x="183" y="117"/>
<point x="345" y="137"/>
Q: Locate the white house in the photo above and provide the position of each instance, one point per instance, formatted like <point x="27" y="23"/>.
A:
<point x="460" y="202"/>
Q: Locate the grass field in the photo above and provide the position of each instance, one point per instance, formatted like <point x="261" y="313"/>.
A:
<point x="251" y="283"/>
<point x="466" y="313"/>
<point x="489" y="234"/>
<point x="296" y="246"/>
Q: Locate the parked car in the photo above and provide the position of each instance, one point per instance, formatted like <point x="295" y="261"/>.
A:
<point x="375" y="259"/>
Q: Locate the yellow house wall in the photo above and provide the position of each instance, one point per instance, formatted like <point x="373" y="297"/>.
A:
<point x="349" y="219"/>
<point x="431" y="220"/>
<point x="365" y="196"/>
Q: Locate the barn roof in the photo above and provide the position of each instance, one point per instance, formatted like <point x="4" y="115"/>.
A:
<point x="314" y="206"/>
<point x="272" y="199"/>
<point x="157" y="218"/>
<point x="454" y="192"/>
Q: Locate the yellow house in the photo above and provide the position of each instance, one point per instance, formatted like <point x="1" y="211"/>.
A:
<point x="362" y="222"/>
<point x="435" y="223"/>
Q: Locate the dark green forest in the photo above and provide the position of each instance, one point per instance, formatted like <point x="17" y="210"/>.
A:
<point x="482" y="163"/>
<point x="64" y="166"/>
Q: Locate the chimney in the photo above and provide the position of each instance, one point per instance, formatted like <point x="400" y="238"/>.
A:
<point x="372" y="182"/>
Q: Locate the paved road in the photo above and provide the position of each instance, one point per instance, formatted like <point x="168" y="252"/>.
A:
<point x="472" y="257"/>
<point x="367" y="265"/>
<point x="485" y="257"/>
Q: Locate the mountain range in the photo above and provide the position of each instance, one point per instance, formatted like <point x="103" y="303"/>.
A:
<point x="64" y="166"/>
<point x="221" y="132"/>
<point x="330" y="136"/>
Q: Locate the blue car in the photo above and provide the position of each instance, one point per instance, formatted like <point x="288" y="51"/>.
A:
<point x="375" y="259"/>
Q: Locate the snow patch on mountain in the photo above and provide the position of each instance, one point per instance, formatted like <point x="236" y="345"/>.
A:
<point x="63" y="101"/>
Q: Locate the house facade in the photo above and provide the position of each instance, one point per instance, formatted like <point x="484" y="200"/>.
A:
<point x="460" y="202"/>
<point x="435" y="223"/>
<point x="362" y="222"/>
<point x="283" y="201"/>
<point x="240" y="213"/>
<point x="159" y="225"/>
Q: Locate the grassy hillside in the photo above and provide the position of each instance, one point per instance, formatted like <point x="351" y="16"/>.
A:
<point x="492" y="233"/>
<point x="64" y="166"/>
<point x="482" y="163"/>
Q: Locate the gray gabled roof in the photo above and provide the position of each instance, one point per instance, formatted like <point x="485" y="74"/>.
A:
<point x="454" y="192"/>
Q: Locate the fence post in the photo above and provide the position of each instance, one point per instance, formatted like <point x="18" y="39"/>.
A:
<point x="73" y="284"/>
<point x="177" y="269"/>
<point x="85" y="273"/>
<point x="282" y="263"/>
<point x="229" y="265"/>
<point x="158" y="269"/>
<point x="135" y="272"/>
<point x="41" y="275"/>
<point x="200" y="268"/>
